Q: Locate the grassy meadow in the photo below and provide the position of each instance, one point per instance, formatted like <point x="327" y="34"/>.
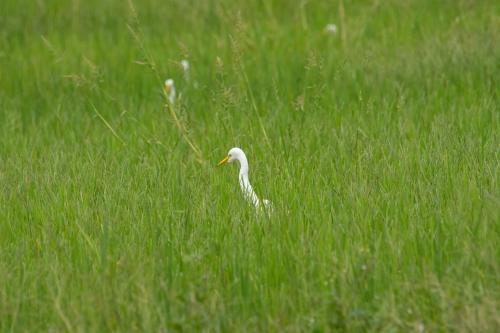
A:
<point x="378" y="144"/>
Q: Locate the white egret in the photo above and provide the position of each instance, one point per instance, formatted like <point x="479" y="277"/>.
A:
<point x="236" y="154"/>
<point x="331" y="28"/>
<point x="170" y="89"/>
<point x="185" y="64"/>
<point x="185" y="68"/>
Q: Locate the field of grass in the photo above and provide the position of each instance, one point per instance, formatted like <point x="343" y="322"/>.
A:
<point x="378" y="146"/>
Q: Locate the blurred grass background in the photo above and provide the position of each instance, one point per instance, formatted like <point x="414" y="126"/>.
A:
<point x="377" y="145"/>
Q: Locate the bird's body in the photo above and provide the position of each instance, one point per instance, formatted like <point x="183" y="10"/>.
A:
<point x="236" y="154"/>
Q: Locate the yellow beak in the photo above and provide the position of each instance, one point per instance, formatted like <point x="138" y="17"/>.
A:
<point x="167" y="88"/>
<point x="223" y="161"/>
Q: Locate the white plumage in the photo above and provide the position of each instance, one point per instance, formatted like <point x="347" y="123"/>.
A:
<point x="236" y="154"/>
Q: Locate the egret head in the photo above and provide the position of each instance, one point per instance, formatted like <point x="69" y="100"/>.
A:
<point x="233" y="155"/>
<point x="169" y="84"/>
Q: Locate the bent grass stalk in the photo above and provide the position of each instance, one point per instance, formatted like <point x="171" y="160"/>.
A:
<point x="137" y="34"/>
<point x="107" y="124"/>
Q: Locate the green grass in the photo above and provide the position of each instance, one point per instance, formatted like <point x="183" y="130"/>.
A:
<point x="378" y="146"/>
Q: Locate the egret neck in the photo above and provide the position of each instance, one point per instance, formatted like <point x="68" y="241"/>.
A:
<point x="236" y="154"/>
<point x="245" y="185"/>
